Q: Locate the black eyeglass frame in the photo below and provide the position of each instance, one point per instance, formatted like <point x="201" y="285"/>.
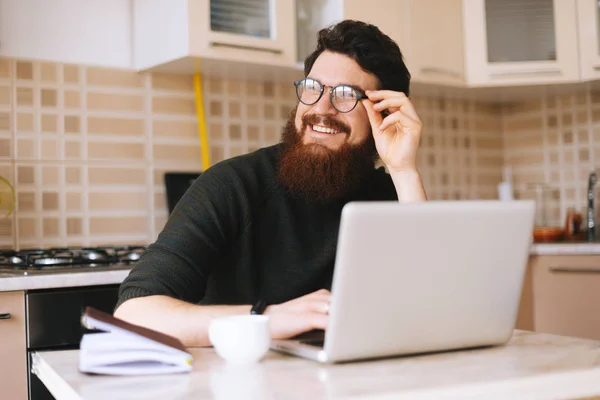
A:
<point x="359" y="94"/>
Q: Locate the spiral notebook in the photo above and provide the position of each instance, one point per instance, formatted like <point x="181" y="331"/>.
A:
<point x="126" y="349"/>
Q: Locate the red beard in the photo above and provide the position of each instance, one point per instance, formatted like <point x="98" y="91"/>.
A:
<point x="316" y="173"/>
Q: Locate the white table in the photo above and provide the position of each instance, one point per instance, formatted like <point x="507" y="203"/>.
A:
<point x="532" y="366"/>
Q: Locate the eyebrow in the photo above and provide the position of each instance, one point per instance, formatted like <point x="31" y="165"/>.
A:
<point x="355" y="87"/>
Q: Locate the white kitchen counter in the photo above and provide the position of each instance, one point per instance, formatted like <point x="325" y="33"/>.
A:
<point x="581" y="249"/>
<point x="530" y="366"/>
<point x="9" y="282"/>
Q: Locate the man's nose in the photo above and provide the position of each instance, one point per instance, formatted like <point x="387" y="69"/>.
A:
<point x="324" y="106"/>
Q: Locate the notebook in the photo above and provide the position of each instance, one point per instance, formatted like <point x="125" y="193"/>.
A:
<point x="126" y="349"/>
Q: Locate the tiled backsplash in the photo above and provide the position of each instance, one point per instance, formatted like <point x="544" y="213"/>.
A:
<point x="555" y="141"/>
<point x="86" y="148"/>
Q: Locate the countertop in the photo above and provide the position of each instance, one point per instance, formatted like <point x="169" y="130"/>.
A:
<point x="565" y="248"/>
<point x="531" y="365"/>
<point x="10" y="281"/>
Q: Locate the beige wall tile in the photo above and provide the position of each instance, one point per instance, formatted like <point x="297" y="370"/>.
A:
<point x="115" y="102"/>
<point x="6" y="68"/>
<point x="5" y="148"/>
<point x="50" y="227"/>
<point x="5" y="95"/>
<point x="25" y="201"/>
<point x="118" y="226"/>
<point x="71" y="73"/>
<point x="173" y="82"/>
<point x="24" y="96"/>
<point x="73" y="201"/>
<point x="118" y="201"/>
<point x="27" y="229"/>
<point x="526" y="124"/>
<point x="49" y="123"/>
<point x="73" y="175"/>
<point x="116" y="176"/>
<point x="525" y="159"/>
<point x="160" y="222"/>
<point x="4" y="121"/>
<point x="488" y="143"/>
<point x="215" y="85"/>
<point x="174" y="128"/>
<point x="115" y="126"/>
<point x="24" y="122"/>
<point x="74" y="226"/>
<point x="72" y="99"/>
<point x="160" y="201"/>
<point x="50" y="149"/>
<point x="24" y="70"/>
<point x="50" y="201"/>
<point x="50" y="175"/>
<point x="48" y="72"/>
<point x="488" y="125"/>
<point x="521" y="141"/>
<point x="72" y="124"/>
<point x="48" y="97"/>
<point x="113" y="151"/>
<point x="217" y="154"/>
<point x="173" y="105"/>
<point x="174" y="152"/>
<point x="113" y="77"/>
<point x="25" y="149"/>
<point x="72" y="150"/>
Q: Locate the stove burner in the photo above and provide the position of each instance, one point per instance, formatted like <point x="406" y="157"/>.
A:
<point x="35" y="259"/>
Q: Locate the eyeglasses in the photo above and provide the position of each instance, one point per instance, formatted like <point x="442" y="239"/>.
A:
<point x="343" y="97"/>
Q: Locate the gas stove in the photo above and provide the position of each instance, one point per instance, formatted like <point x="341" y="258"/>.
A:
<point x="72" y="259"/>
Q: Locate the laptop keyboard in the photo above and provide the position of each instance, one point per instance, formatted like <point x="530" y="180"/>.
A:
<point x="314" y="342"/>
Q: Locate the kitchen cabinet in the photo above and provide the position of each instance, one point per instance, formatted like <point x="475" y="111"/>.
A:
<point x="390" y="16"/>
<point x="588" y="19"/>
<point x="186" y="35"/>
<point x="565" y="293"/>
<point x="13" y="368"/>
<point x="478" y="43"/>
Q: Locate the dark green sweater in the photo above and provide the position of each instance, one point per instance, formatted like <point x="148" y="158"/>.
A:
<point x="237" y="235"/>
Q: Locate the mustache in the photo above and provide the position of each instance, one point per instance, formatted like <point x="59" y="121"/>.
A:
<point x="326" y="120"/>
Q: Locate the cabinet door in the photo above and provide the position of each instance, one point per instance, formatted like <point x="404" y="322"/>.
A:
<point x="259" y="31"/>
<point x="566" y="292"/>
<point x="512" y="42"/>
<point x="588" y="14"/>
<point x="13" y="367"/>
<point x="436" y="52"/>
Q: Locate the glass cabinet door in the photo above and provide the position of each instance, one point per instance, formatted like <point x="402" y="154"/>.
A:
<point x="588" y="22"/>
<point x="520" y="30"/>
<point x="242" y="17"/>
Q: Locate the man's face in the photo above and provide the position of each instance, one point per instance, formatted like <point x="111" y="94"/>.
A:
<point x="352" y="128"/>
<point x="321" y="166"/>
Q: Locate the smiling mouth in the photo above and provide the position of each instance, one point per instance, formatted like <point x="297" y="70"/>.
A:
<point x="324" y="129"/>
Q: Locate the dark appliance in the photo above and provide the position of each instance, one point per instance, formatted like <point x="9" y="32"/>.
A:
<point x="176" y="184"/>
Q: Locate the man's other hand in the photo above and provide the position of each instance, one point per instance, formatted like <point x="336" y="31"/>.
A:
<point x="299" y="315"/>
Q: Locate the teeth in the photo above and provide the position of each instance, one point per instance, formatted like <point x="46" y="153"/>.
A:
<point x="323" y="129"/>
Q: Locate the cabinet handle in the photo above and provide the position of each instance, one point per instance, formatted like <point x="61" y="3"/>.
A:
<point x="597" y="67"/>
<point x="591" y="270"/>
<point x="534" y="72"/>
<point x="244" y="47"/>
<point x="441" y="71"/>
<point x="5" y="316"/>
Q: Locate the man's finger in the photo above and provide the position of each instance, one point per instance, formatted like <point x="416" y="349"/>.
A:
<point x="397" y="117"/>
<point x="375" y="117"/>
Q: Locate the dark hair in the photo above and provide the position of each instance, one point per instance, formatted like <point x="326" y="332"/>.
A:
<point x="374" y="51"/>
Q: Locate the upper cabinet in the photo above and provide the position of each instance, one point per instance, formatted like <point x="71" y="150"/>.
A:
<point x="588" y="14"/>
<point x="313" y="15"/>
<point x="493" y="42"/>
<point x="177" y="35"/>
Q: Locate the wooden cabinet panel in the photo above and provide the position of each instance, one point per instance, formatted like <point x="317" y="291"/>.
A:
<point x="13" y="353"/>
<point x="566" y="291"/>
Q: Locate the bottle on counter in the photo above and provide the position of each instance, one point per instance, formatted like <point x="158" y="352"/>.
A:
<point x="572" y="224"/>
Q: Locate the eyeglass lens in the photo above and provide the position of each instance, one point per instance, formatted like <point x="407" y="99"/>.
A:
<point x="344" y="98"/>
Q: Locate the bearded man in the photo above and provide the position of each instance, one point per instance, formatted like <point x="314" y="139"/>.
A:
<point x="262" y="228"/>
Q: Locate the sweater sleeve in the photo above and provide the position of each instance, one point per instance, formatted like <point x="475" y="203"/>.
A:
<point x="202" y="226"/>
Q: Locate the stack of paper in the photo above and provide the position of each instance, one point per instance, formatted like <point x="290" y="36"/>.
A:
<point x="127" y="349"/>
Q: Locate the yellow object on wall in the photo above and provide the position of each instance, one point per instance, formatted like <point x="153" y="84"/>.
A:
<point x="201" y="121"/>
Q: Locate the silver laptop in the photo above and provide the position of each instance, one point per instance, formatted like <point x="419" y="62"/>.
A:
<point x="425" y="277"/>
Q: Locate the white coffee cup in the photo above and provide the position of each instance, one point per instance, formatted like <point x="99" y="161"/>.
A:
<point x="240" y="339"/>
